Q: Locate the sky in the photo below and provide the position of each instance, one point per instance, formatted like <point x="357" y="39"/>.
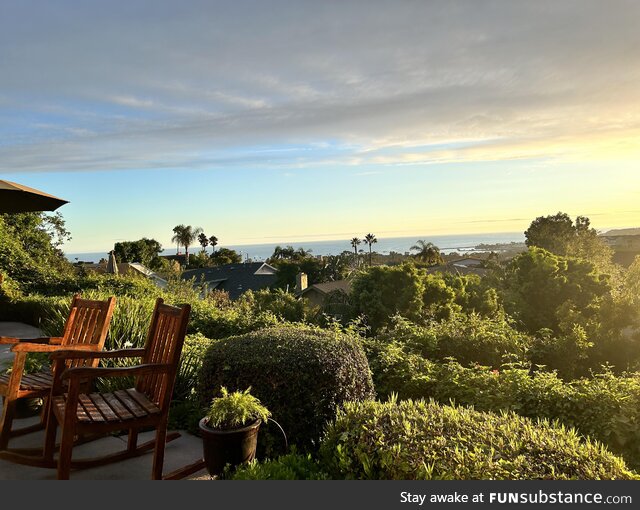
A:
<point x="287" y="121"/>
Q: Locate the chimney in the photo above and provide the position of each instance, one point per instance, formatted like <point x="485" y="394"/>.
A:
<point x="301" y="282"/>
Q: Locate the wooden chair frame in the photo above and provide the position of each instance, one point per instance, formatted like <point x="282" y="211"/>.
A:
<point x="144" y="406"/>
<point x="85" y="330"/>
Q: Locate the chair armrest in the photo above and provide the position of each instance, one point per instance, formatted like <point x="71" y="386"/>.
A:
<point x="53" y="340"/>
<point x="91" y="372"/>
<point x="73" y="354"/>
<point x="30" y="347"/>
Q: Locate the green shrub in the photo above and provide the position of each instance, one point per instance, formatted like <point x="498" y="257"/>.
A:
<point x="186" y="409"/>
<point x="470" y="339"/>
<point x="29" y="253"/>
<point x="381" y="292"/>
<point x="287" y="467"/>
<point x="282" y="304"/>
<point x="605" y="407"/>
<point x="216" y="322"/>
<point x="416" y="440"/>
<point x="300" y="373"/>
<point x="394" y="369"/>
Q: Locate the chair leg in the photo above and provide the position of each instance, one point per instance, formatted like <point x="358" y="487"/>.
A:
<point x="6" y="420"/>
<point x="66" y="449"/>
<point x="132" y="443"/>
<point x="158" y="453"/>
<point x="50" y="436"/>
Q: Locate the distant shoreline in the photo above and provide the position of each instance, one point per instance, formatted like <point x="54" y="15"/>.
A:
<point x="462" y="243"/>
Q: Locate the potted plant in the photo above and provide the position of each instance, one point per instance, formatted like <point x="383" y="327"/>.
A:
<point x="230" y="429"/>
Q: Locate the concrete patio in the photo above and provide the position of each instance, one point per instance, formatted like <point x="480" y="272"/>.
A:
<point x="180" y="452"/>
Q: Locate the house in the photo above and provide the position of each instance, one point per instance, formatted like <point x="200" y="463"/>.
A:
<point x="235" y="278"/>
<point x="463" y="266"/>
<point x="625" y="244"/>
<point x="317" y="294"/>
<point x="127" y="268"/>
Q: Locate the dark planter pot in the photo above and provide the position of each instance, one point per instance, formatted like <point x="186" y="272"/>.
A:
<point x="222" y="447"/>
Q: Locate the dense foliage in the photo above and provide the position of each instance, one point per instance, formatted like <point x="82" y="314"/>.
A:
<point x="29" y="254"/>
<point x="381" y="292"/>
<point x="426" y="441"/>
<point x="144" y="250"/>
<point x="605" y="407"/>
<point x="300" y="373"/>
<point x="287" y="467"/>
<point x="470" y="339"/>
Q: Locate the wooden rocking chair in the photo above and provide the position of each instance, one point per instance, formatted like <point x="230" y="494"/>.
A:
<point x="85" y="330"/>
<point x="146" y="405"/>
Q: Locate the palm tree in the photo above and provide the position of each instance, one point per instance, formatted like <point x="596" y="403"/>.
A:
<point x="178" y="230"/>
<point x="204" y="241"/>
<point x="427" y="252"/>
<point x="213" y="241"/>
<point x="355" y="242"/>
<point x="370" y="239"/>
<point x="185" y="236"/>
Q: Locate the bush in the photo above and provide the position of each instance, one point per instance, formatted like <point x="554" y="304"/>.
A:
<point x="288" y="467"/>
<point x="470" y="339"/>
<point x="416" y="440"/>
<point x="300" y="373"/>
<point x="396" y="370"/>
<point x="215" y="322"/>
<point x="604" y="406"/>
<point x="384" y="291"/>
<point x="186" y="409"/>
<point x="283" y="304"/>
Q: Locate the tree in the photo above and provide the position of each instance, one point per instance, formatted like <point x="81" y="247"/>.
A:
<point x="144" y="251"/>
<point x="185" y="235"/>
<point x="54" y="226"/>
<point x="427" y="252"/>
<point x="355" y="242"/>
<point x="204" y="241"/>
<point x="30" y="258"/>
<point x="559" y="235"/>
<point x="289" y="253"/>
<point x="381" y="292"/>
<point x="370" y="239"/>
<point x="544" y="290"/>
<point x="178" y="231"/>
<point x="213" y="241"/>
<point x="552" y="233"/>
<point x="335" y="267"/>
<point x="225" y="256"/>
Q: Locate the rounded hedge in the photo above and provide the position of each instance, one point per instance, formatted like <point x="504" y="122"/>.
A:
<point x="301" y="374"/>
<point x="419" y="440"/>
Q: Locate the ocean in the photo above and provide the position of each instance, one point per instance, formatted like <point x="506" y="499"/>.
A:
<point x="447" y="243"/>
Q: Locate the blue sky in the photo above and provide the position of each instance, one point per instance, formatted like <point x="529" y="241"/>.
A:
<point x="308" y="120"/>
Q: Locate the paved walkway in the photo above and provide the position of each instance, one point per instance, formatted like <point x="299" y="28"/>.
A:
<point x="178" y="453"/>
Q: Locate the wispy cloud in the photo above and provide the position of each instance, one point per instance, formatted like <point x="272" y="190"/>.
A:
<point x="157" y="85"/>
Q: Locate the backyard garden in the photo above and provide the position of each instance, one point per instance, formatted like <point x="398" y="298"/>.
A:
<point x="530" y="372"/>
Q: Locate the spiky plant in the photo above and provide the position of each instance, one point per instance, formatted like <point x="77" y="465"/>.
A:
<point x="235" y="410"/>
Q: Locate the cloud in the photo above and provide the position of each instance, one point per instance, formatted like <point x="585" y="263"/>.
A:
<point x="203" y="84"/>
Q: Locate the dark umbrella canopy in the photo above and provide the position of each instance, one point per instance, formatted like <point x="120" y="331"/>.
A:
<point x="16" y="198"/>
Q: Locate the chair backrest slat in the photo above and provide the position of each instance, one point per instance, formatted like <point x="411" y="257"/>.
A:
<point x="164" y="346"/>
<point x="88" y="323"/>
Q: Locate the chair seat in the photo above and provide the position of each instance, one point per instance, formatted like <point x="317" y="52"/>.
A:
<point x="117" y="407"/>
<point x="38" y="381"/>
